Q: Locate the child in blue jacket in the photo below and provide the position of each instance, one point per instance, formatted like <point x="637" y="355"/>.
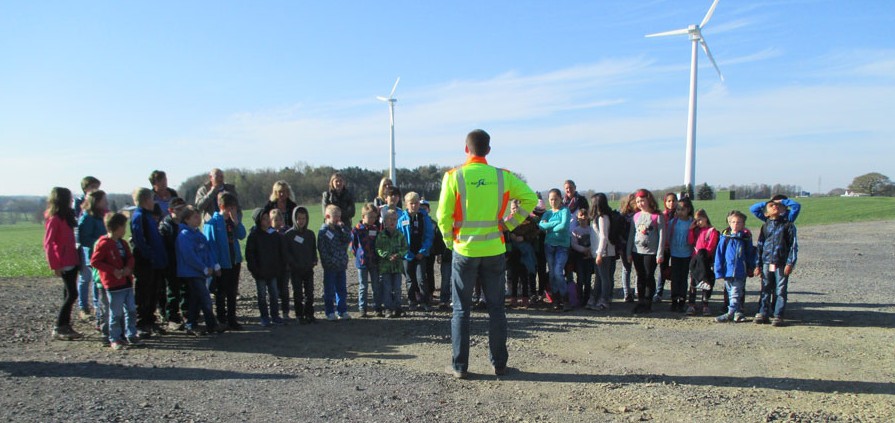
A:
<point x="196" y="264"/>
<point x="778" y="249"/>
<point x="224" y="230"/>
<point x="734" y="262"/>
<point x="418" y="231"/>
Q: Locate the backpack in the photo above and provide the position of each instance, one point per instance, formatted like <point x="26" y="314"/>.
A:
<point x="617" y="233"/>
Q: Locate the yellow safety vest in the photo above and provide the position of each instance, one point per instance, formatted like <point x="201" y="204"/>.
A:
<point x="474" y="199"/>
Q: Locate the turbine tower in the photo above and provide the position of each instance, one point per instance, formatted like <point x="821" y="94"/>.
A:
<point x="696" y="37"/>
<point x="391" y="120"/>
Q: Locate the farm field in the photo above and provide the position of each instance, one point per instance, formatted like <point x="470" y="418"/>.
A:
<point x="21" y="251"/>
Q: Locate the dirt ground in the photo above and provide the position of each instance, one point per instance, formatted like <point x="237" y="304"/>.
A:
<point x="835" y="361"/>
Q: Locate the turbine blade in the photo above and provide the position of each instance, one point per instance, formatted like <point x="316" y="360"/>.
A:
<point x="708" y="15"/>
<point x="675" y="32"/>
<point x="392" y="94"/>
<point x="381" y="98"/>
<point x="705" y="48"/>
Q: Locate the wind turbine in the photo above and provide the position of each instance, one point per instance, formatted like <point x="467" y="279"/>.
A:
<point x="391" y="120"/>
<point x="696" y="37"/>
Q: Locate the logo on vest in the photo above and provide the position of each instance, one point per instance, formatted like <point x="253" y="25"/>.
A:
<point x="480" y="183"/>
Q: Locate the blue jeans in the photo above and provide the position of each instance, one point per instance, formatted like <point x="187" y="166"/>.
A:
<point x="556" y="261"/>
<point x="464" y="274"/>
<point x="367" y="279"/>
<point x="122" y="314"/>
<point x="199" y="298"/>
<point x="334" y="290"/>
<point x="774" y="287"/>
<point x="735" y="289"/>
<point x="85" y="282"/>
<point x="267" y="289"/>
<point x="445" y="297"/>
<point x="102" y="311"/>
<point x="391" y="290"/>
<point x="605" y="280"/>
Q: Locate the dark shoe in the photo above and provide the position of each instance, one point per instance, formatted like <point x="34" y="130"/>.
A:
<point x="500" y="371"/>
<point x="777" y="322"/>
<point x="639" y="309"/>
<point x="629" y="298"/>
<point x="135" y="341"/>
<point x="457" y="374"/>
<point x="236" y="327"/>
<point x="159" y="329"/>
<point x="760" y="319"/>
<point x="380" y="313"/>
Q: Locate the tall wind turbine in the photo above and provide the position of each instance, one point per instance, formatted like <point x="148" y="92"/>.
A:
<point x="391" y="120"/>
<point x="695" y="33"/>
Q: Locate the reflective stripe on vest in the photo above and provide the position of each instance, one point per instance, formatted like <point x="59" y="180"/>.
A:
<point x="478" y="224"/>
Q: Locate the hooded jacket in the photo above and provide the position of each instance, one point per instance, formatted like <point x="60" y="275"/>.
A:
<point x="332" y="243"/>
<point x="148" y="243"/>
<point x="265" y="252"/>
<point x="301" y="244"/>
<point x="735" y="256"/>
<point x="107" y="259"/>
<point x="215" y="230"/>
<point x="420" y="237"/>
<point x="778" y="243"/>
<point x="194" y="253"/>
<point x="363" y="245"/>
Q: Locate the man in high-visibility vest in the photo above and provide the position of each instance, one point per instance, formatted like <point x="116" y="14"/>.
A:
<point x="474" y="199"/>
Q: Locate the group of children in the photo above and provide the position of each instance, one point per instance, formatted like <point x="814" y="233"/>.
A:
<point x="174" y="261"/>
<point x="679" y="243"/>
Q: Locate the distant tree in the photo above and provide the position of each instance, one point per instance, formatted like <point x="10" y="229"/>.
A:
<point x="873" y="183"/>
<point x="705" y="192"/>
<point x="836" y="192"/>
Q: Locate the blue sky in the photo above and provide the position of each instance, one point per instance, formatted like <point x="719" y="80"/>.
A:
<point x="566" y="89"/>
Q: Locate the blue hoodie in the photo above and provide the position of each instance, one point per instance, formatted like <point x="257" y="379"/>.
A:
<point x="735" y="255"/>
<point x="425" y="244"/>
<point x="148" y="243"/>
<point x="216" y="231"/>
<point x="194" y="253"/>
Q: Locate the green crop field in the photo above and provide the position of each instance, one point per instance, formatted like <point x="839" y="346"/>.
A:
<point x="21" y="250"/>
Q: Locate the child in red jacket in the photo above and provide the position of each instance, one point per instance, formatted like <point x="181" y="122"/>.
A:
<point x="62" y="255"/>
<point x="113" y="259"/>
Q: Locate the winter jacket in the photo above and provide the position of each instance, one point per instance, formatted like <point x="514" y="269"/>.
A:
<point x="168" y="228"/>
<point x="386" y="245"/>
<point x="148" y="243"/>
<point x="215" y="230"/>
<point x="577" y="201"/>
<point x="344" y="199"/>
<point x="735" y="256"/>
<point x="580" y="237"/>
<point x="363" y="245"/>
<point x="195" y="255"/>
<point x="107" y="258"/>
<point x="704" y="239"/>
<point x="265" y="253"/>
<point x="778" y="243"/>
<point x="90" y="229"/>
<point x="59" y="243"/>
<point x="556" y="225"/>
<point x="679" y="238"/>
<point x="418" y="231"/>
<point x="647" y="234"/>
<point x="332" y="244"/>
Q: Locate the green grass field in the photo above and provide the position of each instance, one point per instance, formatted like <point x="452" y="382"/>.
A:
<point x="21" y="249"/>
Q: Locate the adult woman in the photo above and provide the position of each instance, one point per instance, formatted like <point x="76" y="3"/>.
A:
<point x="281" y="198"/>
<point x="338" y="194"/>
<point x="384" y="184"/>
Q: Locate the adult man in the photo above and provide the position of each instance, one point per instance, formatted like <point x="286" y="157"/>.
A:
<point x="207" y="195"/>
<point x="474" y="198"/>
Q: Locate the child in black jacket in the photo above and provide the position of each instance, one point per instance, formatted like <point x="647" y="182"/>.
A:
<point x="266" y="258"/>
<point x="301" y="253"/>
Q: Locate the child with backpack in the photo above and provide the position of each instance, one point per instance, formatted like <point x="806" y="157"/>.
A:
<point x="603" y="249"/>
<point x="778" y="250"/>
<point x="704" y="239"/>
<point x="363" y="246"/>
<point x="734" y="262"/>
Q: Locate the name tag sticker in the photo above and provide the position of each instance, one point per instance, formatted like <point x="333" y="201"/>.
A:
<point x="372" y="233"/>
<point x="772" y="267"/>
<point x="330" y="235"/>
<point x="299" y="239"/>
<point x="405" y="223"/>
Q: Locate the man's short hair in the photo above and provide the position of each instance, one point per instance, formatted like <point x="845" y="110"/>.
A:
<point x="393" y="191"/>
<point x="156" y="176"/>
<point x="114" y="221"/>
<point x="88" y="181"/>
<point x="226" y="199"/>
<point x="478" y="142"/>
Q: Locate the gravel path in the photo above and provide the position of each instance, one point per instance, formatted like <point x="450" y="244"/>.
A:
<point x="835" y="362"/>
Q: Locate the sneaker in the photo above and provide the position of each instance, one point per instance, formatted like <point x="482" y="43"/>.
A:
<point x="760" y="319"/>
<point x="364" y="314"/>
<point x="344" y="316"/>
<point x="657" y="298"/>
<point x="739" y="317"/>
<point x="159" y="329"/>
<point x="444" y="307"/>
<point x="118" y="346"/>
<point x="85" y="314"/>
<point x="390" y="314"/>
<point x="706" y="311"/>
<point x="144" y="333"/>
<point x="236" y="327"/>
<point x="602" y="306"/>
<point x="219" y="328"/>
<point x="777" y="322"/>
<point x="380" y="313"/>
<point x="703" y="286"/>
<point x="265" y="323"/>
<point x="65" y="333"/>
<point x="457" y="374"/>
<point x="591" y="305"/>
<point x="331" y="317"/>
<point x="310" y="318"/>
<point x="278" y="321"/>
<point x="525" y="303"/>
<point x="500" y="371"/>
<point x="629" y="298"/>
<point x="639" y="309"/>
<point x="135" y="341"/>
<point x="691" y="310"/>
<point x="175" y="326"/>
<point x="195" y="332"/>
<point x="724" y="318"/>
<point x="105" y="342"/>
